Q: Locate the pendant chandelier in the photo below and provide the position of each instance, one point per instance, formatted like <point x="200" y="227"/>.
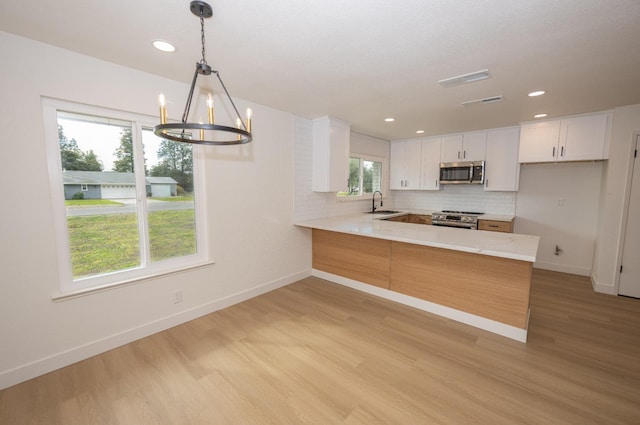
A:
<point x="199" y="133"/>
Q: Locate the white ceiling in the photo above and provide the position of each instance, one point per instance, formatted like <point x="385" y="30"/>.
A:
<point x="362" y="61"/>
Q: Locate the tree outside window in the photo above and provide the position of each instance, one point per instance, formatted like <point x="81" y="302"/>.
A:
<point x="365" y="176"/>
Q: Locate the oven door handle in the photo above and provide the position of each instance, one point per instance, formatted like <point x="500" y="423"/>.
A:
<point x="458" y="226"/>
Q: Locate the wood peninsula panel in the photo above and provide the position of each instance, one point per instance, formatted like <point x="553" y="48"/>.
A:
<point x="496" y="226"/>
<point x="360" y="258"/>
<point x="492" y="287"/>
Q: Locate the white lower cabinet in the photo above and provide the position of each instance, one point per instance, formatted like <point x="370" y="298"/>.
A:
<point x="502" y="170"/>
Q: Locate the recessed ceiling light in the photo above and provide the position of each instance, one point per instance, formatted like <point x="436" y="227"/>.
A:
<point x="164" y="46"/>
<point x="537" y="93"/>
<point x="389" y="119"/>
<point x="539" y="115"/>
<point x="419" y="131"/>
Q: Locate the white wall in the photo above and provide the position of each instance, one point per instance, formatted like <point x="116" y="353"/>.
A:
<point x="615" y="184"/>
<point x="309" y="204"/>
<point x="559" y="202"/>
<point x="249" y="198"/>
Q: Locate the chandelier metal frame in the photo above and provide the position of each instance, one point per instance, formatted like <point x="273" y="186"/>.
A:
<point x="209" y="134"/>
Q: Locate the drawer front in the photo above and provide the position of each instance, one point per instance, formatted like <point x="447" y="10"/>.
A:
<point x="496" y="226"/>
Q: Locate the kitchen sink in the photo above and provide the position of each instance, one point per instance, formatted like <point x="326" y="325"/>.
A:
<point x="383" y="212"/>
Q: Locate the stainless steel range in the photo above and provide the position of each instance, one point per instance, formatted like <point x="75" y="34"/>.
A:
<point x="460" y="219"/>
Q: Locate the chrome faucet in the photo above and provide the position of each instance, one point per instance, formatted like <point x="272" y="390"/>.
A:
<point x="373" y="201"/>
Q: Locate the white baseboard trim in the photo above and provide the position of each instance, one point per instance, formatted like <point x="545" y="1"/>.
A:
<point x="562" y="268"/>
<point x="448" y="312"/>
<point x="602" y="288"/>
<point x="31" y="370"/>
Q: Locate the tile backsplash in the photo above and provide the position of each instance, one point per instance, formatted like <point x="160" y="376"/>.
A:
<point x="458" y="198"/>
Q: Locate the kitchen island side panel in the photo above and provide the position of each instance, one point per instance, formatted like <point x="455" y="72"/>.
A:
<point x="360" y="258"/>
<point x="492" y="287"/>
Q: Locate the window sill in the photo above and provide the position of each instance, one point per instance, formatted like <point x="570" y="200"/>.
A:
<point x="356" y="198"/>
<point x="59" y="296"/>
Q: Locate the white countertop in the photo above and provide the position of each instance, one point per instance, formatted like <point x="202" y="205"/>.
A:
<point x="497" y="244"/>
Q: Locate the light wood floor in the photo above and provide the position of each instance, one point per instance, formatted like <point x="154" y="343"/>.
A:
<point x="319" y="353"/>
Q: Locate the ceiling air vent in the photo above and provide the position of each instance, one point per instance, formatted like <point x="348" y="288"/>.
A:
<point x="491" y="99"/>
<point x="465" y="79"/>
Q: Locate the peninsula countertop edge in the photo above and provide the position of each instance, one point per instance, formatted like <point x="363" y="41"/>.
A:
<point x="496" y="244"/>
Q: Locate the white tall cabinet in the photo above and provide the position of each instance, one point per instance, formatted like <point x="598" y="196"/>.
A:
<point x="502" y="172"/>
<point x="331" y="146"/>
<point x="430" y="174"/>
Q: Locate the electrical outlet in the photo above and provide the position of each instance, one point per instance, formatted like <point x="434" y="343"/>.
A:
<point x="177" y="296"/>
<point x="561" y="202"/>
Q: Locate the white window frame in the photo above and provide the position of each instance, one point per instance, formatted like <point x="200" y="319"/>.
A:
<point x="68" y="287"/>
<point x="84" y="188"/>
<point x="383" y="183"/>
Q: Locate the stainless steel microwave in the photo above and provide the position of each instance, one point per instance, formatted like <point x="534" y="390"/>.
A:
<point x="470" y="172"/>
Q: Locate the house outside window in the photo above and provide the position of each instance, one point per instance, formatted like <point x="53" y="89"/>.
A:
<point x="365" y="176"/>
<point x="127" y="201"/>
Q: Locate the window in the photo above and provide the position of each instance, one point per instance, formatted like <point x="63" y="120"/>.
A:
<point x="365" y="176"/>
<point x="125" y="200"/>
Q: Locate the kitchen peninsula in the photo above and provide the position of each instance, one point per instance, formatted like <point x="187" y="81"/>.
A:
<point x="477" y="277"/>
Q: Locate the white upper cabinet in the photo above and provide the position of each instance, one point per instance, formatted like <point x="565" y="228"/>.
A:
<point x="580" y="138"/>
<point x="451" y="148"/>
<point x="474" y="146"/>
<point x="502" y="170"/>
<point x="430" y="163"/>
<point x="405" y="169"/>
<point x="539" y="141"/>
<point x="463" y="147"/>
<point x="584" y="138"/>
<point x="331" y="139"/>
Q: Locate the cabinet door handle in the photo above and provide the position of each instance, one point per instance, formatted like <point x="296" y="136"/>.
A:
<point x="458" y="154"/>
<point x="562" y="151"/>
<point x="436" y="182"/>
<point x="464" y="154"/>
<point x="554" y="152"/>
<point x="486" y="183"/>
